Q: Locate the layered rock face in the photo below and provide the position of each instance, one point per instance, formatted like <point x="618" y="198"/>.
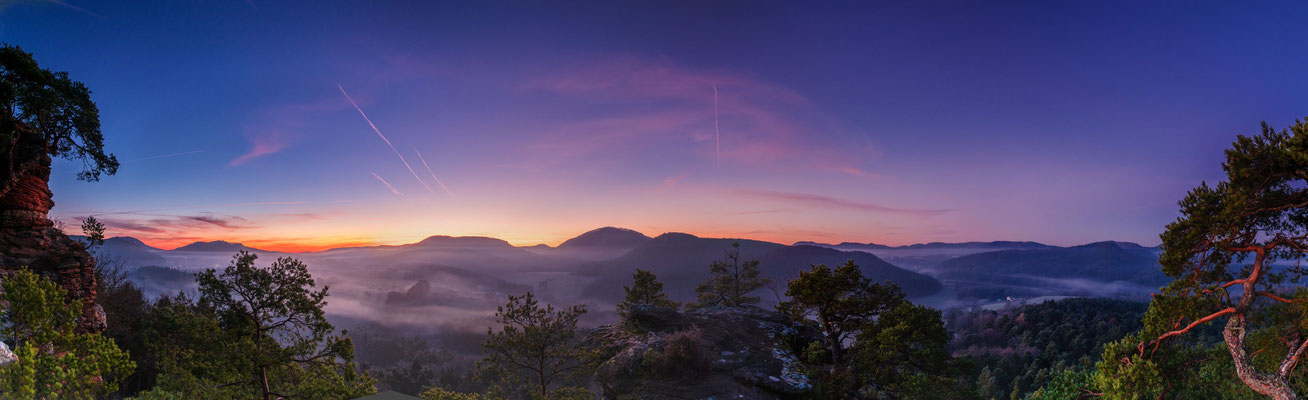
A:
<point x="29" y="239"/>
<point x="750" y="355"/>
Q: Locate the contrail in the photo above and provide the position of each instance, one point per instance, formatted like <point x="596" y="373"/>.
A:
<point x="76" y="8"/>
<point x="384" y="139"/>
<point x="388" y="184"/>
<point x="717" y="136"/>
<point x="169" y="155"/>
<point x="433" y="174"/>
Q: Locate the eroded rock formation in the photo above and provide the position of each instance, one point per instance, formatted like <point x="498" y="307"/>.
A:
<point x="749" y="350"/>
<point x="29" y="239"/>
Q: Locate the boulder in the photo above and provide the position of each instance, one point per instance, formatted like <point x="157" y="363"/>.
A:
<point x="750" y="354"/>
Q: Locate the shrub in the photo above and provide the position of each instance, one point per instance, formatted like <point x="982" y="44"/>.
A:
<point x="686" y="355"/>
<point x="438" y="393"/>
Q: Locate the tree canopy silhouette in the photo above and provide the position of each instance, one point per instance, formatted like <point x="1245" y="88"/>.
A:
<point x="45" y="114"/>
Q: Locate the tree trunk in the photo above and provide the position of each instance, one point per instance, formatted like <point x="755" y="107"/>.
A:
<point x="1272" y="385"/>
<point x="263" y="378"/>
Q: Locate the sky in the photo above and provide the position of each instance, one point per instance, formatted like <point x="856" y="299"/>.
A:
<point x="302" y="126"/>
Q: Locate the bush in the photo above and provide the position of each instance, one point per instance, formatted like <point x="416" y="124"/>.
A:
<point x="686" y="356"/>
<point x="438" y="393"/>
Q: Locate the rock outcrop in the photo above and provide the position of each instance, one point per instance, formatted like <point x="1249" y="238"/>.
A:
<point x="750" y="355"/>
<point x="28" y="239"/>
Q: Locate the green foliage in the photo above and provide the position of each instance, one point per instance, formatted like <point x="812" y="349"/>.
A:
<point x="1221" y="252"/>
<point x="54" y="359"/>
<point x="437" y="393"/>
<point x="1018" y="349"/>
<point x="46" y="114"/>
<point x="411" y="380"/>
<point x="732" y="282"/>
<point x="1067" y="384"/>
<point x="839" y="300"/>
<point x="536" y="348"/>
<point x="254" y="333"/>
<point x="645" y="290"/>
<point x="125" y="307"/>
<point x="904" y="353"/>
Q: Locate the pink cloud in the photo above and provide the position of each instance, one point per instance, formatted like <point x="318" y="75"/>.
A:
<point x="760" y="124"/>
<point x="260" y="146"/>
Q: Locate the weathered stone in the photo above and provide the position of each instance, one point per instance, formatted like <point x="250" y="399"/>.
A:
<point x="31" y="191"/>
<point x="752" y="351"/>
<point x="28" y="239"/>
<point x="656" y="319"/>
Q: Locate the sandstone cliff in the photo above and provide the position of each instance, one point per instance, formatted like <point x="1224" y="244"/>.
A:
<point x="29" y="239"/>
<point x="716" y="352"/>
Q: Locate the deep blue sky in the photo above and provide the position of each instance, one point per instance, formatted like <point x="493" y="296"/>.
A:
<point x="900" y="122"/>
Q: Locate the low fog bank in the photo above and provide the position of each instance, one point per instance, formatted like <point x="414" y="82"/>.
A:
<point x="437" y="297"/>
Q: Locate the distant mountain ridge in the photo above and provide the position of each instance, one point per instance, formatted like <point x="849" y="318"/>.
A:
<point x="681" y="261"/>
<point x="606" y="236"/>
<point x="998" y="244"/>
<point x="1103" y="262"/>
<point x="217" y="246"/>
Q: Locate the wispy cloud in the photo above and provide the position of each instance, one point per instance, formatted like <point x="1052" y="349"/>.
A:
<point x="260" y="146"/>
<point x="174" y="224"/>
<point x="433" y="174"/>
<point x="820" y="201"/>
<point x="388" y="184"/>
<point x="227" y="222"/>
<point x="754" y="122"/>
<point x="384" y="139"/>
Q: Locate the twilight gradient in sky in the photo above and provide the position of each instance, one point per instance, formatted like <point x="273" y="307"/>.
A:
<point x="895" y="122"/>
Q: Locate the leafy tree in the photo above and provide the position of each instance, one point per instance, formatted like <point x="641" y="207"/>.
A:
<point x="125" y="308"/>
<point x="645" y="290"/>
<point x="902" y="353"/>
<point x="536" y="346"/>
<point x="732" y="282"/>
<point x="255" y="332"/>
<point x="45" y="114"/>
<point x="1220" y="254"/>
<point x="411" y="380"/>
<point x="1021" y="347"/>
<point x="840" y="300"/>
<point x="54" y="359"/>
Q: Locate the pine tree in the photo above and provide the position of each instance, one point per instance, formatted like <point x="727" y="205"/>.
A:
<point x="535" y="348"/>
<point x="645" y="290"/>
<point x="54" y="360"/>
<point x="732" y="281"/>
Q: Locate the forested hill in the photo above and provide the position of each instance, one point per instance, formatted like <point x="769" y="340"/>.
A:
<point x="1018" y="350"/>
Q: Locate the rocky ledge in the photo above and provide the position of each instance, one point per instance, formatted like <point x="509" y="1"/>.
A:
<point x="709" y="353"/>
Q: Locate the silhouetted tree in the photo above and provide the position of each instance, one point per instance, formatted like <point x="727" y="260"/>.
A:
<point x="645" y="290"/>
<point x="94" y="231"/>
<point x="45" y="114"/>
<point x="732" y="282"/>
